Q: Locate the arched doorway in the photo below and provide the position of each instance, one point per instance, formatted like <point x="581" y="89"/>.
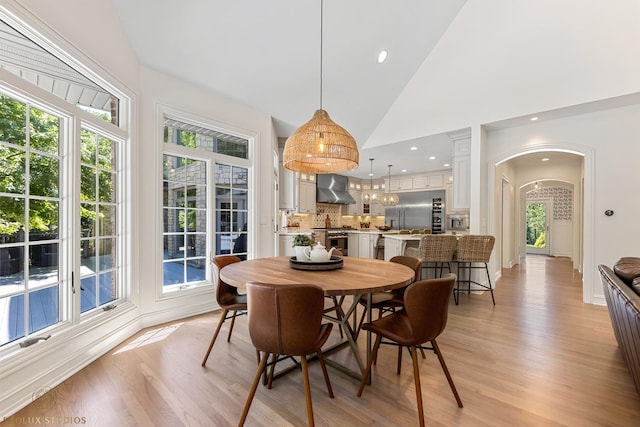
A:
<point x="547" y="180"/>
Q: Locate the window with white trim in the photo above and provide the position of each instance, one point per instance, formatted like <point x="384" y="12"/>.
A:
<point x="61" y="193"/>
<point x="204" y="209"/>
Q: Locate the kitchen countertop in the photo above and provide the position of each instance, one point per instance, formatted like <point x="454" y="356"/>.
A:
<point x="292" y="231"/>
<point x="374" y="231"/>
<point x="403" y="236"/>
<point x="417" y="236"/>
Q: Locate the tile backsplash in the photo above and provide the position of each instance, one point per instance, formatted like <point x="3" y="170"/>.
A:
<point x="334" y="212"/>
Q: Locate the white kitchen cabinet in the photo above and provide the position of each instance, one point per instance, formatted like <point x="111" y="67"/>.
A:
<point x="355" y="185"/>
<point x="461" y="171"/>
<point x="364" y="251"/>
<point x="297" y="191"/>
<point x="284" y="247"/>
<point x="353" y="245"/>
<point x="366" y="241"/>
<point x="392" y="247"/>
<point x="376" y="209"/>
<point x="306" y="197"/>
<point x="448" y="200"/>
<point x="461" y="183"/>
<point x="288" y="189"/>
<point x="307" y="177"/>
<point x="400" y="184"/>
<point x="427" y="182"/>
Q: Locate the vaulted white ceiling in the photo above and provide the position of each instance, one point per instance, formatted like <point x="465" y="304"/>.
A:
<point x="451" y="64"/>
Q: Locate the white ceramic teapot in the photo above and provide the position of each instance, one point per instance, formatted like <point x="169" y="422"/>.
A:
<point x="318" y="253"/>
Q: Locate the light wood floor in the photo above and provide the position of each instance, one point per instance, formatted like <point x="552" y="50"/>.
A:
<point x="540" y="357"/>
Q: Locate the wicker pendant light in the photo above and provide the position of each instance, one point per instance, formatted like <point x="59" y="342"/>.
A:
<point x="320" y="145"/>
<point x="371" y="197"/>
<point x="389" y="198"/>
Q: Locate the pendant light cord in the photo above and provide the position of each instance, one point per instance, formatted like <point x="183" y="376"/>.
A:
<point x="371" y="180"/>
<point x="321" y="36"/>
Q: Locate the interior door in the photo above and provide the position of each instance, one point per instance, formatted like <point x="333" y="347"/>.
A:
<point x="537" y="223"/>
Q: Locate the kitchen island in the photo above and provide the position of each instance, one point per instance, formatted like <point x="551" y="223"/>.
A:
<point x="395" y="244"/>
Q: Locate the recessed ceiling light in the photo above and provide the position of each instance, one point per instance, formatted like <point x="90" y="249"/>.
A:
<point x="446" y="165"/>
<point x="414" y="148"/>
<point x="533" y="119"/>
<point x="370" y="174"/>
<point x="432" y="157"/>
<point x="403" y="170"/>
<point x="544" y="159"/>
<point x="382" y="56"/>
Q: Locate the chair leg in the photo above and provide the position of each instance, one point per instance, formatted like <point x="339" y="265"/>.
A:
<point x="233" y="322"/>
<point x="307" y="389"/>
<point x="252" y="391"/>
<point x="335" y="304"/>
<point x="367" y="371"/>
<point x="490" y="286"/>
<point x="364" y="312"/>
<point x="456" y="289"/>
<point x="325" y="373"/>
<point x="399" y="360"/>
<point x="274" y="359"/>
<point x="223" y="317"/>
<point x="446" y="372"/>
<point x="416" y="378"/>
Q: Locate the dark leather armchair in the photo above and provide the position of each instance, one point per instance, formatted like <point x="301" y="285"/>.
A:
<point x="287" y="321"/>
<point x="424" y="317"/>
<point x="228" y="299"/>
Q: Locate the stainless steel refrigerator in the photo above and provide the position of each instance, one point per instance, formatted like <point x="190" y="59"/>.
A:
<point x="415" y="211"/>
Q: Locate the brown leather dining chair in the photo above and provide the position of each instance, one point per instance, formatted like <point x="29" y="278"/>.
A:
<point x="423" y="319"/>
<point x="390" y="300"/>
<point x="287" y="321"/>
<point x="228" y="299"/>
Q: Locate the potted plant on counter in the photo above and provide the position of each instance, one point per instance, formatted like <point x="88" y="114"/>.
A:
<point x="300" y="242"/>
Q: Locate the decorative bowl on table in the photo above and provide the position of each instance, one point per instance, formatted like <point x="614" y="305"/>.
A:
<point x="383" y="227"/>
<point x="334" y="263"/>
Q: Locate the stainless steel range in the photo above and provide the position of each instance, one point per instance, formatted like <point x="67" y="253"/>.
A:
<point x="339" y="239"/>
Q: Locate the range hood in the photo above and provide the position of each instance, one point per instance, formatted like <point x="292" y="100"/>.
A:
<point x="332" y="188"/>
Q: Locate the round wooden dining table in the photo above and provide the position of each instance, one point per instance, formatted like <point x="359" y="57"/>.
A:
<point x="357" y="277"/>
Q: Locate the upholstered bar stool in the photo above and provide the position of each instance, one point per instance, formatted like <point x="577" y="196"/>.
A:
<point x="435" y="250"/>
<point x="473" y="252"/>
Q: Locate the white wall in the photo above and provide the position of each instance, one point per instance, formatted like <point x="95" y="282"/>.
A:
<point x="157" y="91"/>
<point x="501" y="59"/>
<point x="505" y="232"/>
<point x="92" y="28"/>
<point x="90" y="31"/>
<point x="610" y="141"/>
